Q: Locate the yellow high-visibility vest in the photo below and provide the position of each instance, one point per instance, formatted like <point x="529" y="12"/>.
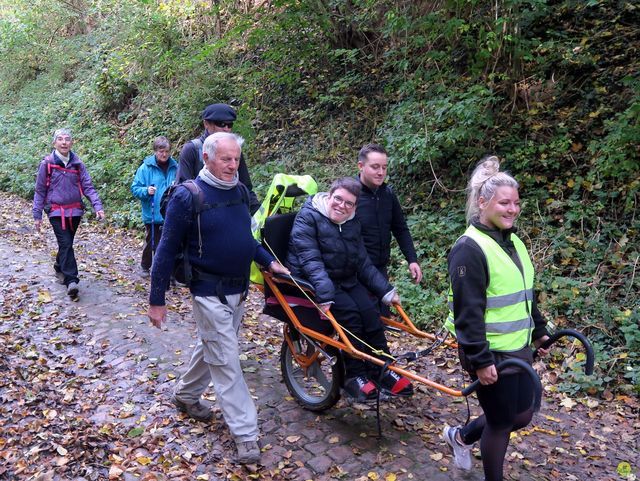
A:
<point x="277" y="200"/>
<point x="507" y="314"/>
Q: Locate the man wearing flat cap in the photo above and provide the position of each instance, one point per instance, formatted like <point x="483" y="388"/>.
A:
<point x="216" y="118"/>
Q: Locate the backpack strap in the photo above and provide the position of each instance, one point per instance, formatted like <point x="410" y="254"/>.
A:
<point x="197" y="197"/>
<point x="246" y="198"/>
<point x="51" y="164"/>
<point x="197" y="143"/>
<point x="197" y="203"/>
<point x="198" y="206"/>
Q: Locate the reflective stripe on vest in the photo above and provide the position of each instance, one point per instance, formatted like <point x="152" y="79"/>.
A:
<point x="508" y="321"/>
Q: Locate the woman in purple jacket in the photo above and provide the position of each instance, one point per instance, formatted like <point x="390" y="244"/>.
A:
<point x="61" y="183"/>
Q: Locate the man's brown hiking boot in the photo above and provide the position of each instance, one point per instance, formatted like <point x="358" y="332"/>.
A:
<point x="248" y="452"/>
<point x="199" y="410"/>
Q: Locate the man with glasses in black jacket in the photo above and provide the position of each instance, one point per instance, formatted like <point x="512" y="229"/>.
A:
<point x="216" y="118"/>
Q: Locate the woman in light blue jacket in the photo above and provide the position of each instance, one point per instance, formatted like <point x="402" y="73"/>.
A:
<point x="152" y="178"/>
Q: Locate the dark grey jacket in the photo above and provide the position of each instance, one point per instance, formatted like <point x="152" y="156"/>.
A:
<point x="331" y="256"/>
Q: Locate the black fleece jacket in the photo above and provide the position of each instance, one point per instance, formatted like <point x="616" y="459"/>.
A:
<point x="469" y="276"/>
<point x="380" y="214"/>
<point x="331" y="256"/>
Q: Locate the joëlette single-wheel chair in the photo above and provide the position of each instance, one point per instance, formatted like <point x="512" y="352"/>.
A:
<point x="314" y="344"/>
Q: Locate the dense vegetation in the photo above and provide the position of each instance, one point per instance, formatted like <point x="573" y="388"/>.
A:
<point x="552" y="86"/>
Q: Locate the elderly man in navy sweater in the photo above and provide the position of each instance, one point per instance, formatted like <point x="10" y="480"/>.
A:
<point x="221" y="249"/>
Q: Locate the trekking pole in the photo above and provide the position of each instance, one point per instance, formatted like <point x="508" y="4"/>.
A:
<point x="153" y="216"/>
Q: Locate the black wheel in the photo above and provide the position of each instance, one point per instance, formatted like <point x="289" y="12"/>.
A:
<point x="317" y="387"/>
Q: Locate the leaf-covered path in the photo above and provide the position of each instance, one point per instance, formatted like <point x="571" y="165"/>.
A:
<point x="84" y="390"/>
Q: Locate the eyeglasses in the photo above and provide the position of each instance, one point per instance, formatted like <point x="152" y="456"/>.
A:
<point x="223" y="125"/>
<point x="339" y="200"/>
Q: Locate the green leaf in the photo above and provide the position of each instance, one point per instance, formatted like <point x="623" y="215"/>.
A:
<point x="624" y="469"/>
<point x="135" y="432"/>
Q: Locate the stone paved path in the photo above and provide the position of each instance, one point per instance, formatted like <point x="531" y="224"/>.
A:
<point x="138" y="365"/>
<point x="314" y="446"/>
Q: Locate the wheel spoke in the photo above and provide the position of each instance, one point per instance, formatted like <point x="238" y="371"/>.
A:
<point x="316" y="371"/>
<point x="316" y="387"/>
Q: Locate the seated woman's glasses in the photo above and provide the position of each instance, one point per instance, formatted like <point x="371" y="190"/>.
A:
<point x="347" y="203"/>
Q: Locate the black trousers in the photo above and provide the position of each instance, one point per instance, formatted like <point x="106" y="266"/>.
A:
<point x="65" y="258"/>
<point x="150" y="245"/>
<point x="501" y="402"/>
<point x="354" y="309"/>
<point x="382" y="307"/>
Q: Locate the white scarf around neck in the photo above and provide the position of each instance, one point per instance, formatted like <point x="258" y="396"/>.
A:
<point x="65" y="160"/>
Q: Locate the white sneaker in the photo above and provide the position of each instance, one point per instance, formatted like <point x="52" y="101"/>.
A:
<point x="461" y="452"/>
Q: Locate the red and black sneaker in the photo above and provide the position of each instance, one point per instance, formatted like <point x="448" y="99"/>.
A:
<point x="396" y="385"/>
<point x="360" y="388"/>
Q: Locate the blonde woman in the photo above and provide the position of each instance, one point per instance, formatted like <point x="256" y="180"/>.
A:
<point x="494" y="316"/>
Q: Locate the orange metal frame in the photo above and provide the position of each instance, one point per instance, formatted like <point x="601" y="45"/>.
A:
<point x="344" y="344"/>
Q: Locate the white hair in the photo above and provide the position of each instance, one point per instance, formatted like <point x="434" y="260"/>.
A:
<point x="60" y="132"/>
<point x="484" y="181"/>
<point x="211" y="143"/>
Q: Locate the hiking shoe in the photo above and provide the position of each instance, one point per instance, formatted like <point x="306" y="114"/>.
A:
<point x="248" y="452"/>
<point x="461" y="452"/>
<point x="360" y="388"/>
<point x="394" y="384"/>
<point x="198" y="410"/>
<point x="145" y="273"/>
<point x="72" y="289"/>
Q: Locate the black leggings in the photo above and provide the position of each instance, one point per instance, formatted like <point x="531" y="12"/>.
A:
<point x="507" y="407"/>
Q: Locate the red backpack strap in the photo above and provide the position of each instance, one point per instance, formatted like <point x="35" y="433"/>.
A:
<point x="48" y="159"/>
<point x="52" y="165"/>
<point x="79" y="183"/>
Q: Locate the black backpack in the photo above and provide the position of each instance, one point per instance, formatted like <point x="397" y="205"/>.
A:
<point x="182" y="270"/>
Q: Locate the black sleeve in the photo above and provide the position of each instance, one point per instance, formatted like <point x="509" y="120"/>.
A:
<point x="243" y="175"/>
<point x="187" y="163"/>
<point x="539" y="322"/>
<point x="401" y="231"/>
<point x="468" y="273"/>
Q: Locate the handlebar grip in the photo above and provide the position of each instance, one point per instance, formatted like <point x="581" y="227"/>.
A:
<point x="537" y="385"/>
<point x="589" y="364"/>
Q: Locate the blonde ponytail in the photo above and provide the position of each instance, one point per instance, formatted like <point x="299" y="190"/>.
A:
<point x="484" y="181"/>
